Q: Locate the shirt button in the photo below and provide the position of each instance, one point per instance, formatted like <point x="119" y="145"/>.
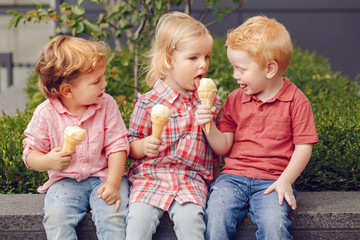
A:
<point x="83" y="169"/>
<point x="171" y="170"/>
<point x="188" y="137"/>
<point x="189" y="108"/>
<point x="80" y="147"/>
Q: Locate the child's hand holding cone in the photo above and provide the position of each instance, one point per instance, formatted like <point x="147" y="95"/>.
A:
<point x="207" y="92"/>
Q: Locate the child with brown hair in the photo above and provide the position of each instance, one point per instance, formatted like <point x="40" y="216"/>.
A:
<point x="266" y="132"/>
<point x="71" y="72"/>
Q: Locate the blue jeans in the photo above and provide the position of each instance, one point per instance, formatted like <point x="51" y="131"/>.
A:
<point x="143" y="219"/>
<point x="67" y="202"/>
<point x="231" y="197"/>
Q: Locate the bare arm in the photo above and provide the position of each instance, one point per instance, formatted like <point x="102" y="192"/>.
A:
<point x="297" y="164"/>
<point x="148" y="146"/>
<point x="56" y="160"/>
<point x="116" y="167"/>
<point x="220" y="142"/>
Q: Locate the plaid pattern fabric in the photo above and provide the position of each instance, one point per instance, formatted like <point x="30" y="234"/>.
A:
<point x="185" y="163"/>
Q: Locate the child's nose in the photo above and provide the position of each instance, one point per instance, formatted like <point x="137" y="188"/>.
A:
<point x="104" y="83"/>
<point x="203" y="63"/>
<point x="236" y="75"/>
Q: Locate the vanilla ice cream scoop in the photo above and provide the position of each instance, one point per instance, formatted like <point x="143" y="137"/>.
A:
<point x="75" y="132"/>
<point x="160" y="111"/>
<point x="160" y="116"/>
<point x="207" y="84"/>
<point x="72" y="137"/>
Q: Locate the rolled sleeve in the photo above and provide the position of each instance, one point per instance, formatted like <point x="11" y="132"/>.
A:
<point x="115" y="139"/>
<point x="37" y="136"/>
<point x="140" y="123"/>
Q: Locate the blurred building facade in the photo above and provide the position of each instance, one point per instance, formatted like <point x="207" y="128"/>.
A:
<point x="328" y="27"/>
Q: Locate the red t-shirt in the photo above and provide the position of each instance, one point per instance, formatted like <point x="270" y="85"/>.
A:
<point x="265" y="132"/>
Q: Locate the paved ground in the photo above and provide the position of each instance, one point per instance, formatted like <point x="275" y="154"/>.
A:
<point x="13" y="98"/>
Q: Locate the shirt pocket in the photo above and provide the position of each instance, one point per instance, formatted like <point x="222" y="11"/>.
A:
<point x="175" y="128"/>
<point x="96" y="140"/>
<point x="190" y="150"/>
<point x="278" y="129"/>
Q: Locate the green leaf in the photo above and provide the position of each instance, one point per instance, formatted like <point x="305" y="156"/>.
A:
<point x="38" y="5"/>
<point x="12" y="12"/>
<point x="79" y="27"/>
<point x="79" y="10"/>
<point x="91" y="26"/>
<point x="127" y="26"/>
<point x="65" y="6"/>
<point x="15" y="20"/>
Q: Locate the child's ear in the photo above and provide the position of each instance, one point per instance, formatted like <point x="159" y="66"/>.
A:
<point x="168" y="62"/>
<point x="65" y="90"/>
<point x="271" y="69"/>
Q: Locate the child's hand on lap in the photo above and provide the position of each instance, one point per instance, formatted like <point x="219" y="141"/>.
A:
<point x="284" y="191"/>
<point x="110" y="195"/>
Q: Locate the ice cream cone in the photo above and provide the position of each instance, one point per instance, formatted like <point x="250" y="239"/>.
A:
<point x="158" y="125"/>
<point x="207" y="98"/>
<point x="70" y="143"/>
<point x="72" y="137"/>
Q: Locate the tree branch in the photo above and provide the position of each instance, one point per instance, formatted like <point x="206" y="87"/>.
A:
<point x="227" y="15"/>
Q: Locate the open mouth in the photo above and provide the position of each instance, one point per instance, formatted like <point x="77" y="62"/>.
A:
<point x="243" y="86"/>
<point x="196" y="81"/>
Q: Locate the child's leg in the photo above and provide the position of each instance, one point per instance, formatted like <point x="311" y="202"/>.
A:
<point x="268" y="216"/>
<point x="66" y="204"/>
<point x="188" y="220"/>
<point x="142" y="221"/>
<point x="110" y="224"/>
<point x="227" y="206"/>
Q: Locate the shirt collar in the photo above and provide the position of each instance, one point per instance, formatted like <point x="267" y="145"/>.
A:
<point x="165" y="92"/>
<point x="59" y="107"/>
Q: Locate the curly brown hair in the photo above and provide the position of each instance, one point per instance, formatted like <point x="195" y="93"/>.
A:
<point x="63" y="58"/>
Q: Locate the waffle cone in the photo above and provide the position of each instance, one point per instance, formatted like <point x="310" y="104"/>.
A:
<point x="207" y="98"/>
<point x="158" y="125"/>
<point x="70" y="143"/>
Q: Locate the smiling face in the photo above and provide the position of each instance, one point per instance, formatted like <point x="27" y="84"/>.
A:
<point x="189" y="63"/>
<point x="248" y="74"/>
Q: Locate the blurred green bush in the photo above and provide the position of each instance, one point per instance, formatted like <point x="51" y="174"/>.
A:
<point x="335" y="163"/>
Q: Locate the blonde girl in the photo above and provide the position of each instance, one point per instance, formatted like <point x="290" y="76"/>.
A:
<point x="171" y="174"/>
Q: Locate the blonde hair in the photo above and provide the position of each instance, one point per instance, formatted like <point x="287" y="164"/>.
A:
<point x="64" y="58"/>
<point x="264" y="39"/>
<point x="173" y="29"/>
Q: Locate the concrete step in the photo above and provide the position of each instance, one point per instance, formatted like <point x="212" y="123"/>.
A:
<point x="319" y="216"/>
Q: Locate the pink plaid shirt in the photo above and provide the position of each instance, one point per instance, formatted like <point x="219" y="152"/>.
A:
<point x="184" y="166"/>
<point x="106" y="134"/>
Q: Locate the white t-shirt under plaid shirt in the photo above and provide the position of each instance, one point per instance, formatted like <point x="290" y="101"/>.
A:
<point x="184" y="165"/>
